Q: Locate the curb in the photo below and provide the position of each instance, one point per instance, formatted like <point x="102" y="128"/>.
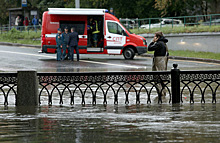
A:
<point x="186" y="58"/>
<point x="16" y="44"/>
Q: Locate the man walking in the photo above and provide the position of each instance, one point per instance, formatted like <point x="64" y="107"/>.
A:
<point x="73" y="43"/>
<point x="65" y="44"/>
<point x="59" y="42"/>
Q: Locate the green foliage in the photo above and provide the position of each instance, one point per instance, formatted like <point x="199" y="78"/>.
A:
<point x="122" y="8"/>
<point x="4" y="13"/>
<point x="186" y="7"/>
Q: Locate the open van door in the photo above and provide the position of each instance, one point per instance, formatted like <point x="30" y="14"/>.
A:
<point x="115" y="37"/>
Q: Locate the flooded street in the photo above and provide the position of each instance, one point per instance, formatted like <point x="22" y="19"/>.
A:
<point x="131" y="123"/>
<point x="111" y="123"/>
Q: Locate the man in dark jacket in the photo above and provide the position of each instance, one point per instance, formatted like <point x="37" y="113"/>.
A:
<point x="73" y="44"/>
<point x="65" y="43"/>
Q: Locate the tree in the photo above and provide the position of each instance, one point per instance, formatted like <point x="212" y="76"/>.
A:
<point x="171" y="7"/>
<point x="4" y="13"/>
<point x="145" y="9"/>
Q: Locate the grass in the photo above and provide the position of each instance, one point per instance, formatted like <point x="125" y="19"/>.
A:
<point x="15" y="36"/>
<point x="192" y="54"/>
<point x="188" y="29"/>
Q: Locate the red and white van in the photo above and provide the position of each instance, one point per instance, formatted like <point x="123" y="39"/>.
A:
<point x="114" y="39"/>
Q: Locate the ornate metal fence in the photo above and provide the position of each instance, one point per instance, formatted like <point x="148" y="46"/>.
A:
<point x="177" y="85"/>
<point x="8" y="85"/>
<point x="130" y="83"/>
<point x="202" y="83"/>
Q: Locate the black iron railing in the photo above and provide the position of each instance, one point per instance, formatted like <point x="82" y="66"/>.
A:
<point x="8" y="85"/>
<point x="175" y="84"/>
<point x="109" y="82"/>
<point x="200" y="82"/>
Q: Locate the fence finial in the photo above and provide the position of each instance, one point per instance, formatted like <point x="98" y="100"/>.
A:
<point x="175" y="66"/>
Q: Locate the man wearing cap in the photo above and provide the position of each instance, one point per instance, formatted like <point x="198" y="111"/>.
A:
<point x="65" y="43"/>
<point x="59" y="42"/>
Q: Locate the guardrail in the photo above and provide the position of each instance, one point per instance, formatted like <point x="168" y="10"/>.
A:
<point x="177" y="84"/>
<point x="160" y="22"/>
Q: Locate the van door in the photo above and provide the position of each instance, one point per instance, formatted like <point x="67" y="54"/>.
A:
<point x="115" y="37"/>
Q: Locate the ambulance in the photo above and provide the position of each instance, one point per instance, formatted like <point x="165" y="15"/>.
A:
<point x="113" y="38"/>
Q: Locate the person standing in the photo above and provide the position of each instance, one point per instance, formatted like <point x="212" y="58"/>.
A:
<point x="59" y="44"/>
<point x="111" y="11"/>
<point x="20" y="23"/>
<point x="35" y="22"/>
<point x="16" y="21"/>
<point x="65" y="44"/>
<point x="94" y="29"/>
<point x="26" y="23"/>
<point x="159" y="46"/>
<point x="160" y="59"/>
<point x="73" y="43"/>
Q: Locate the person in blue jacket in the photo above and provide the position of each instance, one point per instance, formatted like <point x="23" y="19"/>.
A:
<point x="35" y="22"/>
<point x="59" y="44"/>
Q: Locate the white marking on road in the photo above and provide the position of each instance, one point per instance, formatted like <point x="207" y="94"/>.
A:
<point x="94" y="62"/>
<point x="28" y="54"/>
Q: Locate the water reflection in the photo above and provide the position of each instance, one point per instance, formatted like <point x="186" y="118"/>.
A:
<point x="111" y="123"/>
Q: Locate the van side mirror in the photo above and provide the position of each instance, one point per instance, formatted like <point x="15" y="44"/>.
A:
<point x="124" y="33"/>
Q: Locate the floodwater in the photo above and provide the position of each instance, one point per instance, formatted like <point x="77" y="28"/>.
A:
<point x="110" y="123"/>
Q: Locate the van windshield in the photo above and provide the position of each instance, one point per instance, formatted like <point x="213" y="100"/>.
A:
<point x="126" y="28"/>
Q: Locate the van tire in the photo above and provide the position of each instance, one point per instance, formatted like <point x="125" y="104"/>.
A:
<point x="129" y="53"/>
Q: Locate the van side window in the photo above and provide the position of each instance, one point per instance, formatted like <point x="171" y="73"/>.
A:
<point x="79" y="26"/>
<point x="114" y="28"/>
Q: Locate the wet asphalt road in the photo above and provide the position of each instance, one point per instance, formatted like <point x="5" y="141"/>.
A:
<point x="23" y="58"/>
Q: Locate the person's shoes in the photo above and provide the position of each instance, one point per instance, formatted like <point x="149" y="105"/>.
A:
<point x="66" y="58"/>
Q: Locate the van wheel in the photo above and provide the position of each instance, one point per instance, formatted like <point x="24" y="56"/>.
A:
<point x="129" y="53"/>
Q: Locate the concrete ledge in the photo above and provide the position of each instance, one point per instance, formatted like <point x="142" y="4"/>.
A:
<point x="186" y="58"/>
<point x="17" y="44"/>
<point x="151" y="35"/>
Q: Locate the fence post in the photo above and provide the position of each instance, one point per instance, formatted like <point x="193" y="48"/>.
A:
<point x="175" y="84"/>
<point x="27" y="88"/>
